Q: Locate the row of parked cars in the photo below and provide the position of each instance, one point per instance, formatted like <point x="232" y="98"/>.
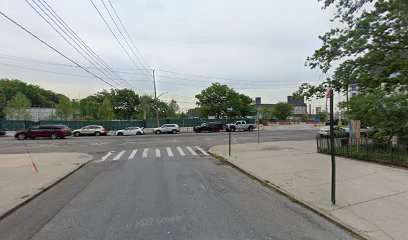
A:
<point x="62" y="131"/>
<point x="340" y="131"/>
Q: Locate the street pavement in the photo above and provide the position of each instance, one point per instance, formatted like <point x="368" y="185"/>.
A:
<point x="370" y="198"/>
<point x="161" y="187"/>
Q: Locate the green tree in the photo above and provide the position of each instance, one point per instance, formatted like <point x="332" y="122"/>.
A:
<point x="105" y="111"/>
<point x="125" y="103"/>
<point x="3" y="104"/>
<point x="322" y="115"/>
<point x="368" y="49"/>
<point x="64" y="108"/>
<point x="214" y="101"/>
<point x="172" y="109"/>
<point x="17" y="107"/>
<point x="282" y="110"/>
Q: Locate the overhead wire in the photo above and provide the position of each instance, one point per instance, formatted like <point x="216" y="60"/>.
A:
<point x="54" y="49"/>
<point x="110" y="29"/>
<point x="69" y="29"/>
<point x="76" y="49"/>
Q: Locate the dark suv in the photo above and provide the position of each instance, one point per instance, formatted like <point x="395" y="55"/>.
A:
<point x="209" y="127"/>
<point x="45" y="131"/>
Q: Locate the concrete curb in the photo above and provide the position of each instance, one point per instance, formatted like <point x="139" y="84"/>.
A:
<point x="43" y="190"/>
<point x="356" y="233"/>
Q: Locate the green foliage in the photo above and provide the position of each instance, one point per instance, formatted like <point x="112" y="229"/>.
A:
<point x="125" y="102"/>
<point x="214" y="101"/>
<point x="282" y="110"/>
<point x="267" y="113"/>
<point x="388" y="113"/>
<point x="323" y="116"/>
<point x="38" y="96"/>
<point x="105" y="111"/>
<point x="172" y="109"/>
<point x="17" y="107"/>
<point x="147" y="107"/>
<point x="89" y="118"/>
<point x="3" y="104"/>
<point x="370" y="49"/>
<point x="64" y="108"/>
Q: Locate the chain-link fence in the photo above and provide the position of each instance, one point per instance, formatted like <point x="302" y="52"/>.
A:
<point x="15" y="125"/>
<point x="390" y="152"/>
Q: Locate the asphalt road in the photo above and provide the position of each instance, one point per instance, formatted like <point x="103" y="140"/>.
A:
<point x="161" y="187"/>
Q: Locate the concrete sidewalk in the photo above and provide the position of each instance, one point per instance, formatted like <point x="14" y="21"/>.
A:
<point x="372" y="199"/>
<point x="19" y="182"/>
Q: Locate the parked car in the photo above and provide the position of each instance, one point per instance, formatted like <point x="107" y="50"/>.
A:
<point x="130" y="131"/>
<point x="240" y="125"/>
<point x="338" y="132"/>
<point x="2" y="132"/>
<point x="167" y="128"/>
<point x="209" y="127"/>
<point x="363" y="130"/>
<point x="90" y="130"/>
<point x="45" y="131"/>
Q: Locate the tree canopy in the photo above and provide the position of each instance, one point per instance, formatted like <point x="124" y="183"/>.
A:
<point x="282" y="110"/>
<point x="17" y="107"/>
<point x="214" y="101"/>
<point x="370" y="49"/>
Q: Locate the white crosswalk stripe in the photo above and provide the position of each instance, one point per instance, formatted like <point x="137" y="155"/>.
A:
<point x="119" y="155"/>
<point x="105" y="157"/>
<point x="191" y="150"/>
<point x="132" y="155"/>
<point x="145" y="151"/>
<point x="201" y="150"/>
<point x="158" y="152"/>
<point x="181" y="151"/>
<point x="169" y="152"/>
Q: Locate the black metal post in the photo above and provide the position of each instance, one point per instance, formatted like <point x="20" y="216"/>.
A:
<point x="229" y="131"/>
<point x="258" y="127"/>
<point x="332" y="152"/>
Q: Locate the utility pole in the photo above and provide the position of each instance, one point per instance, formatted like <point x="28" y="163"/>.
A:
<point x="155" y="99"/>
<point x="332" y="150"/>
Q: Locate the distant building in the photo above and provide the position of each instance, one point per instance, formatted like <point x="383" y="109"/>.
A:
<point x="299" y="106"/>
<point x="353" y="90"/>
<point x="38" y="114"/>
<point x="261" y="107"/>
<point x="318" y="109"/>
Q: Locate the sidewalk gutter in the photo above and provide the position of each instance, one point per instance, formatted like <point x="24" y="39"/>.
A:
<point x="294" y="199"/>
<point x="43" y="190"/>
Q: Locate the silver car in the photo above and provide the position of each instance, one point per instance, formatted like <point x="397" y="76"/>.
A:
<point x="94" y="130"/>
<point x="130" y="131"/>
<point x="167" y="128"/>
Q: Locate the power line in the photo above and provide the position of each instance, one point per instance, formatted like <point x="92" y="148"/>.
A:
<point x="89" y="58"/>
<point x="110" y="29"/>
<point x="123" y="26"/>
<point x="69" y="29"/>
<point x="117" y="27"/>
<point x="49" y="46"/>
<point x="59" y="33"/>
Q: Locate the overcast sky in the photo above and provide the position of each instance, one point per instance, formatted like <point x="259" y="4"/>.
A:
<point x="261" y="44"/>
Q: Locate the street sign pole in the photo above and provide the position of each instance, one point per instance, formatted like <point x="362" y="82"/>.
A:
<point x="258" y="128"/>
<point x="229" y="110"/>
<point x="332" y="152"/>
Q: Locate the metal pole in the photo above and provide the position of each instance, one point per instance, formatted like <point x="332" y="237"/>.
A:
<point x="229" y="152"/>
<point x="258" y="128"/>
<point x="155" y="98"/>
<point x="332" y="152"/>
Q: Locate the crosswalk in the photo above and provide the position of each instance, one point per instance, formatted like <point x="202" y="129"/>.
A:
<point x="142" y="153"/>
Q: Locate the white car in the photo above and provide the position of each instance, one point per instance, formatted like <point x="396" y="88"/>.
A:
<point x="167" y="128"/>
<point x="130" y="131"/>
<point x="325" y="131"/>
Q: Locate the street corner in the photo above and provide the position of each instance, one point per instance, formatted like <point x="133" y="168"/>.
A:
<point x="24" y="176"/>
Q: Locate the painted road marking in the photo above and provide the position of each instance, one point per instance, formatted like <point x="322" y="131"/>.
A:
<point x="158" y="152"/>
<point x="132" y="155"/>
<point x="119" y="156"/>
<point x="144" y="155"/>
<point x="191" y="150"/>
<point x="181" y="151"/>
<point x="201" y="150"/>
<point x="169" y="152"/>
<point x="106" y="156"/>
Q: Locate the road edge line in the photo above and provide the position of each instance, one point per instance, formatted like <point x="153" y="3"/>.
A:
<point x="348" y="228"/>
<point x="43" y="190"/>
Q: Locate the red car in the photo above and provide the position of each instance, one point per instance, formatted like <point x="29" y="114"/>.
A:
<point x="44" y="131"/>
